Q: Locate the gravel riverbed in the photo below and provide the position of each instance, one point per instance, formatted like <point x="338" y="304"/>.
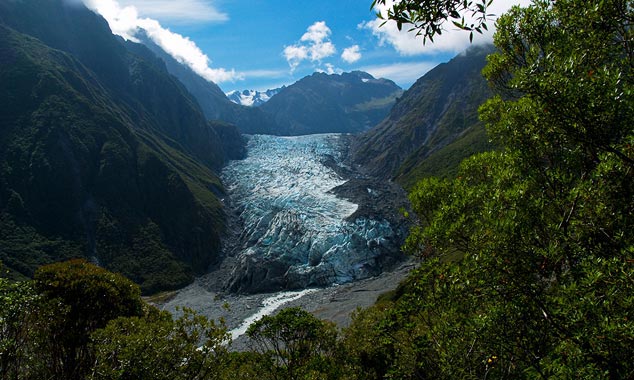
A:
<point x="335" y="303"/>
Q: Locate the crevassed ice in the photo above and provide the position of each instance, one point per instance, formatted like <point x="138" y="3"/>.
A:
<point x="296" y="232"/>
<point x="286" y="173"/>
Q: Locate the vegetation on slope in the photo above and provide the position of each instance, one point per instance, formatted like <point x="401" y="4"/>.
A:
<point x="439" y="109"/>
<point x="445" y="162"/>
<point x="106" y="159"/>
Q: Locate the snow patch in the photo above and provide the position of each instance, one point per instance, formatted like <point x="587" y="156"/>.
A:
<point x="252" y="98"/>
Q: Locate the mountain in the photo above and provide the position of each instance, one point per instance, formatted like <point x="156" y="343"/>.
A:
<point x="433" y="126"/>
<point x="103" y="154"/>
<point x="212" y="100"/>
<point x="252" y="98"/>
<point x="322" y="103"/>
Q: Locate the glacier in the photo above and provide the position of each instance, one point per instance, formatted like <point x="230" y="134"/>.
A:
<point x="295" y="231"/>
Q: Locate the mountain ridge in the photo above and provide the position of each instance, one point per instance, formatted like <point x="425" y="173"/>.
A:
<point x="323" y="103"/>
<point x="252" y="98"/>
<point x="212" y="100"/>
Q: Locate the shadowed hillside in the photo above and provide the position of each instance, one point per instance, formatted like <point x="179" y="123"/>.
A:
<point x="439" y="110"/>
<point x="93" y="139"/>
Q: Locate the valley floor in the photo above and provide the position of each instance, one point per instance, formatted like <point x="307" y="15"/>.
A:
<point x="335" y="303"/>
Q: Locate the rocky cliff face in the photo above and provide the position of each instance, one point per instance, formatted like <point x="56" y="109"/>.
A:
<point x="322" y="103"/>
<point x="440" y="108"/>
<point x="103" y="154"/>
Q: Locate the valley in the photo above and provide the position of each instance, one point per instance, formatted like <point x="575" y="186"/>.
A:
<point x="301" y="219"/>
<point x="473" y="222"/>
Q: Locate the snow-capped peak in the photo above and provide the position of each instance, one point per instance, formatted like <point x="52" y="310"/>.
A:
<point x="252" y="98"/>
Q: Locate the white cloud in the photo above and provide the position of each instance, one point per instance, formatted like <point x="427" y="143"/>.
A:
<point x="452" y="40"/>
<point x="402" y="73"/>
<point x="315" y="45"/>
<point x="295" y="55"/>
<point x="322" y="50"/>
<point x="125" y="21"/>
<point x="184" y="11"/>
<point x="351" y="54"/>
<point x="185" y="51"/>
<point x="317" y="32"/>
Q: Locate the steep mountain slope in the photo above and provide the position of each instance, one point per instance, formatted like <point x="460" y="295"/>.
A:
<point x="213" y="102"/>
<point x="102" y="153"/>
<point x="321" y="103"/>
<point x="252" y="98"/>
<point x="153" y="99"/>
<point x="439" y="110"/>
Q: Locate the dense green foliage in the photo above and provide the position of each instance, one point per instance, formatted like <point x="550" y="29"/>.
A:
<point x="78" y="321"/>
<point x="527" y="254"/>
<point x="295" y="344"/>
<point x="46" y="324"/>
<point x="19" y="311"/>
<point x="155" y="346"/>
<point x="81" y="298"/>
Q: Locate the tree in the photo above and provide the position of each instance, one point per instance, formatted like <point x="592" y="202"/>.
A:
<point x="296" y="344"/>
<point x="156" y="346"/>
<point x="427" y="18"/>
<point x="533" y="244"/>
<point x="82" y="298"/>
<point x="20" y="316"/>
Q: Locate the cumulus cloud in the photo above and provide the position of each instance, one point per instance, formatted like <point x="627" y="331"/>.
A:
<point x="452" y="40"/>
<point x="322" y="50"/>
<point x="317" y="33"/>
<point x="295" y="55"/>
<point x="125" y="21"/>
<point x="314" y="46"/>
<point x="351" y="54"/>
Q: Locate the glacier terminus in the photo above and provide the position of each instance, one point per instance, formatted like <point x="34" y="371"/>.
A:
<point x="305" y="218"/>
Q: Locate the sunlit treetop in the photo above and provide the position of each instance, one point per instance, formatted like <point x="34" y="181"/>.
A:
<point x="427" y="18"/>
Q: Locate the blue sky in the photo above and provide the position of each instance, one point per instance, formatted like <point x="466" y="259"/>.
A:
<point x="261" y="44"/>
